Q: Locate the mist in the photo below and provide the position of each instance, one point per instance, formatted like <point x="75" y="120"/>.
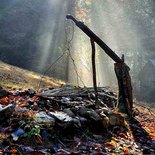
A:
<point x="127" y="27"/>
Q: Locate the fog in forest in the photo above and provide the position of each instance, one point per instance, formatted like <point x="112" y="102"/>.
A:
<point x="36" y="35"/>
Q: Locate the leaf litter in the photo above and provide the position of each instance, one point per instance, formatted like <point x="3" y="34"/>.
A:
<point x="66" y="120"/>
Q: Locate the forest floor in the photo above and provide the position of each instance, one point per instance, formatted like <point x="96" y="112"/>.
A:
<point x="50" y="122"/>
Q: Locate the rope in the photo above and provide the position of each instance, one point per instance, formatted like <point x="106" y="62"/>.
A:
<point x="67" y="50"/>
<point x="69" y="41"/>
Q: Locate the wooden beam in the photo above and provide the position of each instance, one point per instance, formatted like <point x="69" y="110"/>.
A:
<point x="92" y="35"/>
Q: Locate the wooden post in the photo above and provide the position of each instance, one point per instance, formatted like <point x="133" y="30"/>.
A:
<point x="94" y="70"/>
<point x="125" y="97"/>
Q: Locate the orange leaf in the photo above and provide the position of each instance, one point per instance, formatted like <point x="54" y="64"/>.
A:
<point x="153" y="138"/>
<point x="4" y="100"/>
<point x="109" y="145"/>
<point x="123" y="135"/>
<point x="13" y="151"/>
<point x="125" y="150"/>
<point x="115" y="139"/>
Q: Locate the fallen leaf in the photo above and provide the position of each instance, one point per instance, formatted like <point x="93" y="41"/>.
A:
<point x="125" y="150"/>
<point x="115" y="139"/>
<point x="109" y="145"/>
<point x="123" y="135"/>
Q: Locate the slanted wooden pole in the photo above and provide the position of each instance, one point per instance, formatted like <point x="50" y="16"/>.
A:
<point x="91" y="34"/>
<point x="94" y="70"/>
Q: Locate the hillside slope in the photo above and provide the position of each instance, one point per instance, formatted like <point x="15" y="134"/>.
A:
<point x="16" y="77"/>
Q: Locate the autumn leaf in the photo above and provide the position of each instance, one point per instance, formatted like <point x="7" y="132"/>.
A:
<point x="125" y="150"/>
<point x="109" y="145"/>
<point x="123" y="135"/>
